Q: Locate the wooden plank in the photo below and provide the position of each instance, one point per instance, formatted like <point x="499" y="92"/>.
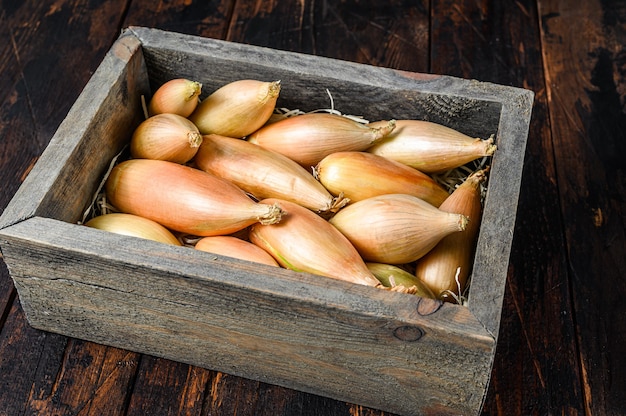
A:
<point x="392" y="34"/>
<point x="480" y="40"/>
<point x="27" y="355"/>
<point x="31" y="105"/>
<point x="38" y="87"/>
<point x="47" y="373"/>
<point x="20" y="142"/>
<point x="91" y="379"/>
<point x="372" y="92"/>
<point x="584" y="51"/>
<point x="472" y="107"/>
<point x="209" y="19"/>
<point x="165" y="387"/>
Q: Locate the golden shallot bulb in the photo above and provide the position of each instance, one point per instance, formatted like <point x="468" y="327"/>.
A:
<point x="234" y="247"/>
<point x="183" y="198"/>
<point x="446" y="268"/>
<point x="362" y="175"/>
<point x="308" y="138"/>
<point x="237" y="108"/>
<point x="430" y="147"/>
<point x="305" y="242"/>
<point x="133" y="225"/>
<point x="264" y="173"/>
<point x="177" y="96"/>
<point x="395" y="228"/>
<point x="165" y="137"/>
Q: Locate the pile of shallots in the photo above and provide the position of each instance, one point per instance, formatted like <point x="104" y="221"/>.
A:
<point x="312" y="192"/>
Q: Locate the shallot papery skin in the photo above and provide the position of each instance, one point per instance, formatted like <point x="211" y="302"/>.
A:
<point x="446" y="268"/>
<point x="395" y="228"/>
<point x="430" y="147"/>
<point x="183" y="198"/>
<point x="305" y="242"/>
<point x="308" y="138"/>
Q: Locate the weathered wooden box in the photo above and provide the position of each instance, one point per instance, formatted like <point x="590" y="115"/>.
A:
<point x="384" y="350"/>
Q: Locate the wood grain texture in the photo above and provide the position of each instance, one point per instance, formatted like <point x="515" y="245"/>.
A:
<point x="71" y="168"/>
<point x="87" y="379"/>
<point x="306" y="80"/>
<point x="392" y="34"/>
<point x="203" y="18"/>
<point x="27" y="355"/>
<point x="584" y="49"/>
<point x="476" y="39"/>
<point x="159" y="379"/>
<point x="40" y="80"/>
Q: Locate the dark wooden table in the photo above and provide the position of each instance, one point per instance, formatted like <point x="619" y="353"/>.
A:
<point x="562" y="345"/>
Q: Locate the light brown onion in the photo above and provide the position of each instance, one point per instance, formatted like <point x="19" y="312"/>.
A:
<point x="446" y="268"/>
<point x="362" y="175"/>
<point x="133" y="225"/>
<point x="264" y="173"/>
<point x="237" y="108"/>
<point x="184" y="199"/>
<point x="305" y="242"/>
<point x="395" y="228"/>
<point x="177" y="96"/>
<point x="234" y="247"/>
<point x="165" y="137"/>
<point x="430" y="147"/>
<point x="308" y="138"/>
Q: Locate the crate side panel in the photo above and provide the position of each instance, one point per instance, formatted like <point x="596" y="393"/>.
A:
<point x="493" y="249"/>
<point x="306" y="92"/>
<point x="96" y="128"/>
<point x="309" y="82"/>
<point x="363" y="341"/>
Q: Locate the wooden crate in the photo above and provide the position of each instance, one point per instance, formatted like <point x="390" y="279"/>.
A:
<point x="389" y="351"/>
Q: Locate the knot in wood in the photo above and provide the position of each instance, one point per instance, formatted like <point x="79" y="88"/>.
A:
<point x="408" y="333"/>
